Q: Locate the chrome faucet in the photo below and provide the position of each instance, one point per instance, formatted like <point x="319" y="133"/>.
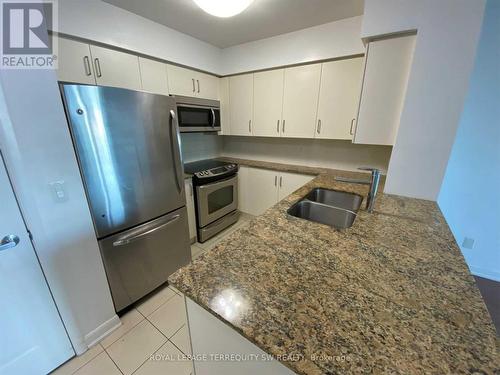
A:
<point x="373" y="182"/>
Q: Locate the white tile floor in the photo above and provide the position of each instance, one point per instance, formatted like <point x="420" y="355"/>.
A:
<point x="156" y="326"/>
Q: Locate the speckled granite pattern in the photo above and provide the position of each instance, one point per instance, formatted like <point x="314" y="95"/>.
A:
<point x="391" y="294"/>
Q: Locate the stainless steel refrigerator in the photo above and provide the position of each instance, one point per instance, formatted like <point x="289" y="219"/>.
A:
<point x="128" y="150"/>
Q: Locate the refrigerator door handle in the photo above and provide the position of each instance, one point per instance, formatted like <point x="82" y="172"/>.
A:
<point x="176" y="146"/>
<point x="141" y="232"/>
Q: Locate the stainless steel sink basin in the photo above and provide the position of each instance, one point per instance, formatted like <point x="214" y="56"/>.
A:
<point x="321" y="213"/>
<point x="335" y="198"/>
<point x="331" y="207"/>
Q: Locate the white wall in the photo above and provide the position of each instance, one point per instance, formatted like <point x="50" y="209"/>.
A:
<point x="331" y="40"/>
<point x="99" y="21"/>
<point x="310" y="152"/>
<point x="35" y="140"/>
<point x="447" y="35"/>
<point x="198" y="146"/>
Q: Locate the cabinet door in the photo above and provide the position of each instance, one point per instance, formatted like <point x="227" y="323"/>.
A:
<point x="268" y="103"/>
<point x="207" y="86"/>
<point x="75" y="62"/>
<point x="224" y="106"/>
<point x="289" y="182"/>
<point x="241" y="104"/>
<point x="181" y="81"/>
<point x="388" y="63"/>
<point x="243" y="188"/>
<point x="153" y="76"/>
<point x="116" y="69"/>
<point x="188" y="185"/>
<point x="300" y="101"/>
<point x="262" y="190"/>
<point x="339" y="98"/>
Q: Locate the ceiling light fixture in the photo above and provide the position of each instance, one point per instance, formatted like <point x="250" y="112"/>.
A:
<point x="223" y="8"/>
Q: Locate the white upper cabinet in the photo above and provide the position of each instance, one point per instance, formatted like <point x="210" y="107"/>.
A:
<point x="387" y="67"/>
<point x="181" y="81"/>
<point x="207" y="86"/>
<point x="268" y="103"/>
<point x="75" y="62"/>
<point x="187" y="82"/>
<point x="300" y="101"/>
<point x="339" y="98"/>
<point x="241" y="104"/>
<point x="224" y="106"/>
<point x="154" y="76"/>
<point x="117" y="69"/>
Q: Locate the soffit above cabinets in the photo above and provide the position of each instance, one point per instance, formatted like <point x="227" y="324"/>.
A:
<point x="262" y="19"/>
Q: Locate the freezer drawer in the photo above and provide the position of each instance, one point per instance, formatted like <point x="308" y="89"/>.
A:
<point x="140" y="259"/>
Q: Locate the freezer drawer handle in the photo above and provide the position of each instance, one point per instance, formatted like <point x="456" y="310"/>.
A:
<point x="135" y="236"/>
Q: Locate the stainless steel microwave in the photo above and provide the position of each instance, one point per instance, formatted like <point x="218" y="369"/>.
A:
<point x="197" y="115"/>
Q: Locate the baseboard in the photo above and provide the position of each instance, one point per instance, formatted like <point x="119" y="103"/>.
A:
<point x="96" y="335"/>
<point x="484" y="273"/>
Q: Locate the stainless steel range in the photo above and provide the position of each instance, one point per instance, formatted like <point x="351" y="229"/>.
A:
<point x="215" y="185"/>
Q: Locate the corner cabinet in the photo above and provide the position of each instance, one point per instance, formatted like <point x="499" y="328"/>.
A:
<point x="187" y="82"/>
<point x="339" y="98"/>
<point x="260" y="189"/>
<point x="300" y="100"/>
<point x="387" y="68"/>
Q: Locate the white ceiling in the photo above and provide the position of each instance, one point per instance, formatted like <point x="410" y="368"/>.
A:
<point x="262" y="19"/>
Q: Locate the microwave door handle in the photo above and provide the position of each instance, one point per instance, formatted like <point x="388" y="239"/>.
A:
<point x="176" y="146"/>
<point x="213" y="117"/>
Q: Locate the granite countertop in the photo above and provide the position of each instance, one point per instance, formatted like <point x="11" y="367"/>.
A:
<point x="391" y="294"/>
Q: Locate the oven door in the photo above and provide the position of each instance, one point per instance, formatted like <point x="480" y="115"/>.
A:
<point x="216" y="200"/>
<point x="198" y="118"/>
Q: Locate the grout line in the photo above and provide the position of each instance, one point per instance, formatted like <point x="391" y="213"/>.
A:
<point x="112" y="360"/>
<point x="131" y="328"/>
<point x="152" y="312"/>
<point x="91" y="359"/>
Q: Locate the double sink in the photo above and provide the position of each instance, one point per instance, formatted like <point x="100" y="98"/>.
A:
<point x="335" y="208"/>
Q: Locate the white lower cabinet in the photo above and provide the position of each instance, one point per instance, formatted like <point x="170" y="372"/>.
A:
<point x="188" y="187"/>
<point x="212" y="341"/>
<point x="289" y="182"/>
<point x="260" y="189"/>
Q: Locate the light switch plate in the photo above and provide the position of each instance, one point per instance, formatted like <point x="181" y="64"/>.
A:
<point x="59" y="192"/>
<point x="468" y="243"/>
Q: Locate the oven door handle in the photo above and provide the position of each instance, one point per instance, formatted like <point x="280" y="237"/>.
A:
<point x="218" y="184"/>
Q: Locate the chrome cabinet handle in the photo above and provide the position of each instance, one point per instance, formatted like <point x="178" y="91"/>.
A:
<point x="283" y="129"/>
<point x="275" y="180"/>
<point x="250" y="126"/>
<point x="86" y="64"/>
<point x="8" y="242"/>
<point x="278" y="127"/>
<point x="97" y="67"/>
<point x="194" y="87"/>
<point x="135" y="236"/>
<point x="198" y="82"/>
<point x="281" y="181"/>
<point x="319" y="126"/>
<point x="351" y="132"/>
